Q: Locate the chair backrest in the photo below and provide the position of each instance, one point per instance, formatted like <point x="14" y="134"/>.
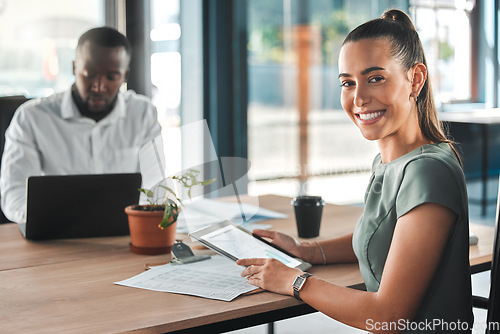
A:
<point x="493" y="314"/>
<point x="8" y="106"/>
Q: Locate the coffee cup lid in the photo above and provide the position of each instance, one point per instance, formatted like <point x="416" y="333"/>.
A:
<point x="308" y="201"/>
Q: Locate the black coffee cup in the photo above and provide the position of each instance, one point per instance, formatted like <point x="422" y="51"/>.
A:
<point x="308" y="211"/>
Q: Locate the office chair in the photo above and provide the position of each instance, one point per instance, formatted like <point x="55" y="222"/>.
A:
<point x="492" y="303"/>
<point x="8" y="106"/>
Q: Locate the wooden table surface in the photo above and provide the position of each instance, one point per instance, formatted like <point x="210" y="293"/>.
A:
<point x="67" y="285"/>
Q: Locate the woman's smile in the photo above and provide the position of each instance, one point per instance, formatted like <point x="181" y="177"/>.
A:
<point x="370" y="117"/>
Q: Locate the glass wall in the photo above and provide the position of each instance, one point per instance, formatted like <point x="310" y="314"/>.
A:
<point x="166" y="59"/>
<point x="38" y="42"/>
<point x="176" y="75"/>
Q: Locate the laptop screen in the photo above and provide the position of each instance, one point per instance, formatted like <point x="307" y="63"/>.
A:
<point x="79" y="206"/>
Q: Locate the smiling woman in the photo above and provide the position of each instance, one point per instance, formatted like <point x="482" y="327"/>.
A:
<point x="405" y="46"/>
<point x="378" y="95"/>
<point x="411" y="242"/>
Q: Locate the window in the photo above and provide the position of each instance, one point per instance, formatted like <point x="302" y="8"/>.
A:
<point x="445" y="30"/>
<point x="166" y="58"/>
<point x="38" y="42"/>
<point x="176" y="74"/>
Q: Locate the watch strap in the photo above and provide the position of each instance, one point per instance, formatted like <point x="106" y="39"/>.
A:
<point x="296" y="290"/>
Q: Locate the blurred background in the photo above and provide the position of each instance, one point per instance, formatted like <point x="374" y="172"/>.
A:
<point x="274" y="96"/>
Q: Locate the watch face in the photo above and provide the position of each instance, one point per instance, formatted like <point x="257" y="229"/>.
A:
<point x="299" y="281"/>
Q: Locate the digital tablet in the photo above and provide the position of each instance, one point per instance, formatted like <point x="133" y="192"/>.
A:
<point x="233" y="241"/>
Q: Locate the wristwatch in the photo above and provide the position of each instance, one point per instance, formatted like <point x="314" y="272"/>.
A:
<point x="298" y="284"/>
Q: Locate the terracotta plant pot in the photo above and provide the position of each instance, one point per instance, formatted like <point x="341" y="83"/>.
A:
<point x="145" y="235"/>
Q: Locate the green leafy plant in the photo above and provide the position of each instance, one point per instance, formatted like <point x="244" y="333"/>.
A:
<point x="163" y="197"/>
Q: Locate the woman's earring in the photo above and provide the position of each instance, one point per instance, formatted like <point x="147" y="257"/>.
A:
<point x="415" y="96"/>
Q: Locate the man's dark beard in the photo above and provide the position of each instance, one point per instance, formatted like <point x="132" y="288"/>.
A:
<point x="84" y="108"/>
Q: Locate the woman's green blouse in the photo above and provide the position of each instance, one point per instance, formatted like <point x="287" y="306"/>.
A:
<point x="429" y="174"/>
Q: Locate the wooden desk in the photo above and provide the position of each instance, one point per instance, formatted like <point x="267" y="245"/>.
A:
<point x="67" y="285"/>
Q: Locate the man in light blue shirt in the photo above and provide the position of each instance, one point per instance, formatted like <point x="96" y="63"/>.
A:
<point x="92" y="128"/>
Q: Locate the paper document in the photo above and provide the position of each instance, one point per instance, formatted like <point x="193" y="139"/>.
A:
<point x="206" y="212"/>
<point x="218" y="278"/>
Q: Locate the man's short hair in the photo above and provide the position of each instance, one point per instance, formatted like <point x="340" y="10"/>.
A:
<point x="106" y="37"/>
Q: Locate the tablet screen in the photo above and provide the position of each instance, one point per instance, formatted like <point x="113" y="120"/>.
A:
<point x="233" y="241"/>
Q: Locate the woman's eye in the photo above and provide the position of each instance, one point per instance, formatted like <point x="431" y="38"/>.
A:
<point x="376" y="79"/>
<point x="347" y="83"/>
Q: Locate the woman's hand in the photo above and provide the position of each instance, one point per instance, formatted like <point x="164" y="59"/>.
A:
<point x="284" y="241"/>
<point x="269" y="274"/>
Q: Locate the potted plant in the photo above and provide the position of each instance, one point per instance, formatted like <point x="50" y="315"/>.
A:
<point x="153" y="226"/>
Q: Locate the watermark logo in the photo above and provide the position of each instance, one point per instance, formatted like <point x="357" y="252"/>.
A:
<point x="429" y="325"/>
<point x="231" y="177"/>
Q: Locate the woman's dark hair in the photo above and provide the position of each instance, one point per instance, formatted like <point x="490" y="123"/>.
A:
<point x="396" y="27"/>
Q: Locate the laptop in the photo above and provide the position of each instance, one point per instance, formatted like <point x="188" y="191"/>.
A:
<point x="79" y="206"/>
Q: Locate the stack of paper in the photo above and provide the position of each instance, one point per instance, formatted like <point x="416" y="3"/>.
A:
<point x="218" y="278"/>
